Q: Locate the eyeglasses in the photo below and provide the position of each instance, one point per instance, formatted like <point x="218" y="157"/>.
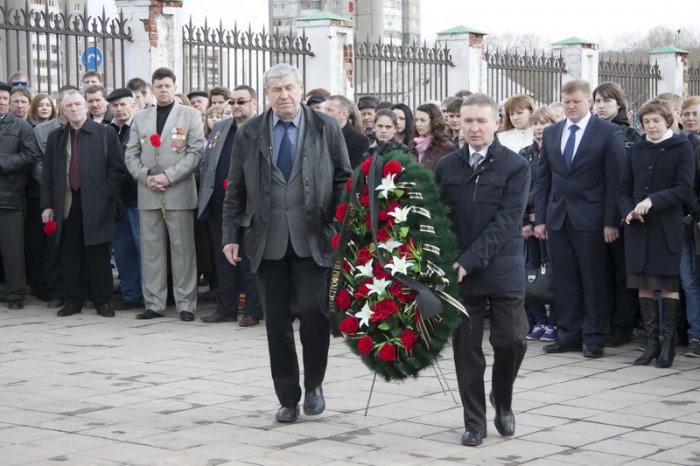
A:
<point x="20" y="84"/>
<point x="239" y="102"/>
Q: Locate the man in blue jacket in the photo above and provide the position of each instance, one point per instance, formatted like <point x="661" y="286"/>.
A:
<point x="485" y="186"/>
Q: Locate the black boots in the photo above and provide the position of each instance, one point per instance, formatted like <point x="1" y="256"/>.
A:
<point x="650" y="319"/>
<point x="668" y="350"/>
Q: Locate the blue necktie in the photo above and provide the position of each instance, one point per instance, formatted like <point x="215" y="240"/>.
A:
<point x="284" y="155"/>
<point x="569" y="147"/>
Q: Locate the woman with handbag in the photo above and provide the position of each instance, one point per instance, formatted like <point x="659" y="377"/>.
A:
<point x="545" y="328"/>
<point x="656" y="179"/>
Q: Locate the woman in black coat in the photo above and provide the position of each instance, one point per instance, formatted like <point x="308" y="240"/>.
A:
<point x="656" y="180"/>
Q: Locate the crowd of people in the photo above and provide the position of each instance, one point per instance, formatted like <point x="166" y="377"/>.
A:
<point x="172" y="188"/>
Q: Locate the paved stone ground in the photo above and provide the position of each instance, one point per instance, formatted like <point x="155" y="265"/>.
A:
<point x="85" y="390"/>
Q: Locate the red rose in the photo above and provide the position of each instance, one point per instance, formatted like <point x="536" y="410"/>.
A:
<point x="379" y="272"/>
<point x="349" y="326"/>
<point x="368" y="221"/>
<point x="49" y="227"/>
<point x="364" y="255"/>
<point x="335" y="240"/>
<point x="387" y="353"/>
<point x="396" y="290"/>
<point x="225" y="184"/>
<point x="384" y="309"/>
<point x="392" y="168"/>
<point x="348" y="186"/>
<point x="366" y="163"/>
<point x="383" y="235"/>
<point x="365" y="345"/>
<point x="362" y="290"/>
<point x="346" y="267"/>
<point x="408" y="338"/>
<point x="364" y="199"/>
<point x="343" y="299"/>
<point x="340" y="212"/>
<point x="155" y="140"/>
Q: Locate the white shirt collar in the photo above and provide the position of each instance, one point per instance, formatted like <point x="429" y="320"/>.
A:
<point x="581" y="124"/>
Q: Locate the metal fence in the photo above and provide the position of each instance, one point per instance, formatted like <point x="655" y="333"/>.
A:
<point x="694" y="79"/>
<point x="408" y="74"/>
<point x="537" y="74"/>
<point x="639" y="80"/>
<point x="231" y="57"/>
<point x="56" y="47"/>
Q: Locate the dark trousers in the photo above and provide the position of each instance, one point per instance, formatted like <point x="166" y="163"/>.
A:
<point x="579" y="267"/>
<point x="43" y="255"/>
<point x="83" y="265"/>
<point x="228" y="283"/>
<point x="624" y="302"/>
<point x="508" y="329"/>
<point x="12" y="251"/>
<point x="290" y="288"/>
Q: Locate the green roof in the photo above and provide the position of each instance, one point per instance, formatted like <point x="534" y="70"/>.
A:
<point x="668" y="49"/>
<point x="322" y="15"/>
<point x="462" y="30"/>
<point x="573" y="41"/>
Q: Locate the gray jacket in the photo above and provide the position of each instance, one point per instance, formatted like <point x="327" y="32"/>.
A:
<point x="325" y="169"/>
<point x="18" y="154"/>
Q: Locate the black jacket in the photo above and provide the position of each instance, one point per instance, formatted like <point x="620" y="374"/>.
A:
<point x="664" y="173"/>
<point x="532" y="155"/>
<point x="100" y="177"/>
<point x="18" y="154"/>
<point x="326" y="168"/>
<point x="128" y="191"/>
<point x="486" y="208"/>
<point x="356" y="143"/>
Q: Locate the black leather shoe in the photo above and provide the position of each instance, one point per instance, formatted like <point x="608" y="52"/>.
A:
<point x="54" y="303"/>
<point x="592" y="352"/>
<point x="473" y="438"/>
<point x="186" y="316"/>
<point x="217" y="317"/>
<point x="66" y="311"/>
<point x="313" y="401"/>
<point x="105" y="310"/>
<point x="149" y="314"/>
<point x="504" y="420"/>
<point x="15" y="305"/>
<point x="557" y="347"/>
<point x="287" y="414"/>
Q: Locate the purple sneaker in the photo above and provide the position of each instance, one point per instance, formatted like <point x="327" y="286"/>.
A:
<point x="536" y="333"/>
<point x="550" y="334"/>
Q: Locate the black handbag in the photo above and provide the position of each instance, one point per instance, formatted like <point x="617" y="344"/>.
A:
<point x="538" y="280"/>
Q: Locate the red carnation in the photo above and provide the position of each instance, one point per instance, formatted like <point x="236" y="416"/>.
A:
<point x="155" y="140"/>
<point x="387" y="353"/>
<point x="225" y="184"/>
<point x="392" y="168"/>
<point x="340" y="212"/>
<point x="365" y="345"/>
<point x="408" y="339"/>
<point x="335" y="240"/>
<point x="349" y="326"/>
<point x="343" y="299"/>
<point x="366" y="163"/>
<point x="364" y="255"/>
<point x="384" y="309"/>
<point x="49" y="227"/>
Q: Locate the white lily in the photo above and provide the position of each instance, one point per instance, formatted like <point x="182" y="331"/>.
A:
<point x="400" y="214"/>
<point x="390" y="245"/>
<point x="378" y="286"/>
<point x="400" y="265"/>
<point x="365" y="270"/>
<point x="364" y="315"/>
<point x="386" y="186"/>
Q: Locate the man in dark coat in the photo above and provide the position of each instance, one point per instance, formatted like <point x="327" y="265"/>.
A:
<point x="485" y="186"/>
<point x="83" y="168"/>
<point x="287" y="176"/>
<point x="339" y="107"/>
<point x="576" y="209"/>
<point x="18" y="154"/>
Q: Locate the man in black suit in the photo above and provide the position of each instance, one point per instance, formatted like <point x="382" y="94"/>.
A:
<point x="287" y="176"/>
<point x="340" y="107"/>
<point x="575" y="209"/>
<point x="485" y="186"/>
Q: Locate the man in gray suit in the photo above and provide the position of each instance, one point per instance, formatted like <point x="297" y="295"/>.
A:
<point x="212" y="188"/>
<point x="164" y="149"/>
<point x="287" y="176"/>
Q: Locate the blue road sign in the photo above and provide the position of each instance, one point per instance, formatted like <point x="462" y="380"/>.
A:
<point x="92" y="58"/>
